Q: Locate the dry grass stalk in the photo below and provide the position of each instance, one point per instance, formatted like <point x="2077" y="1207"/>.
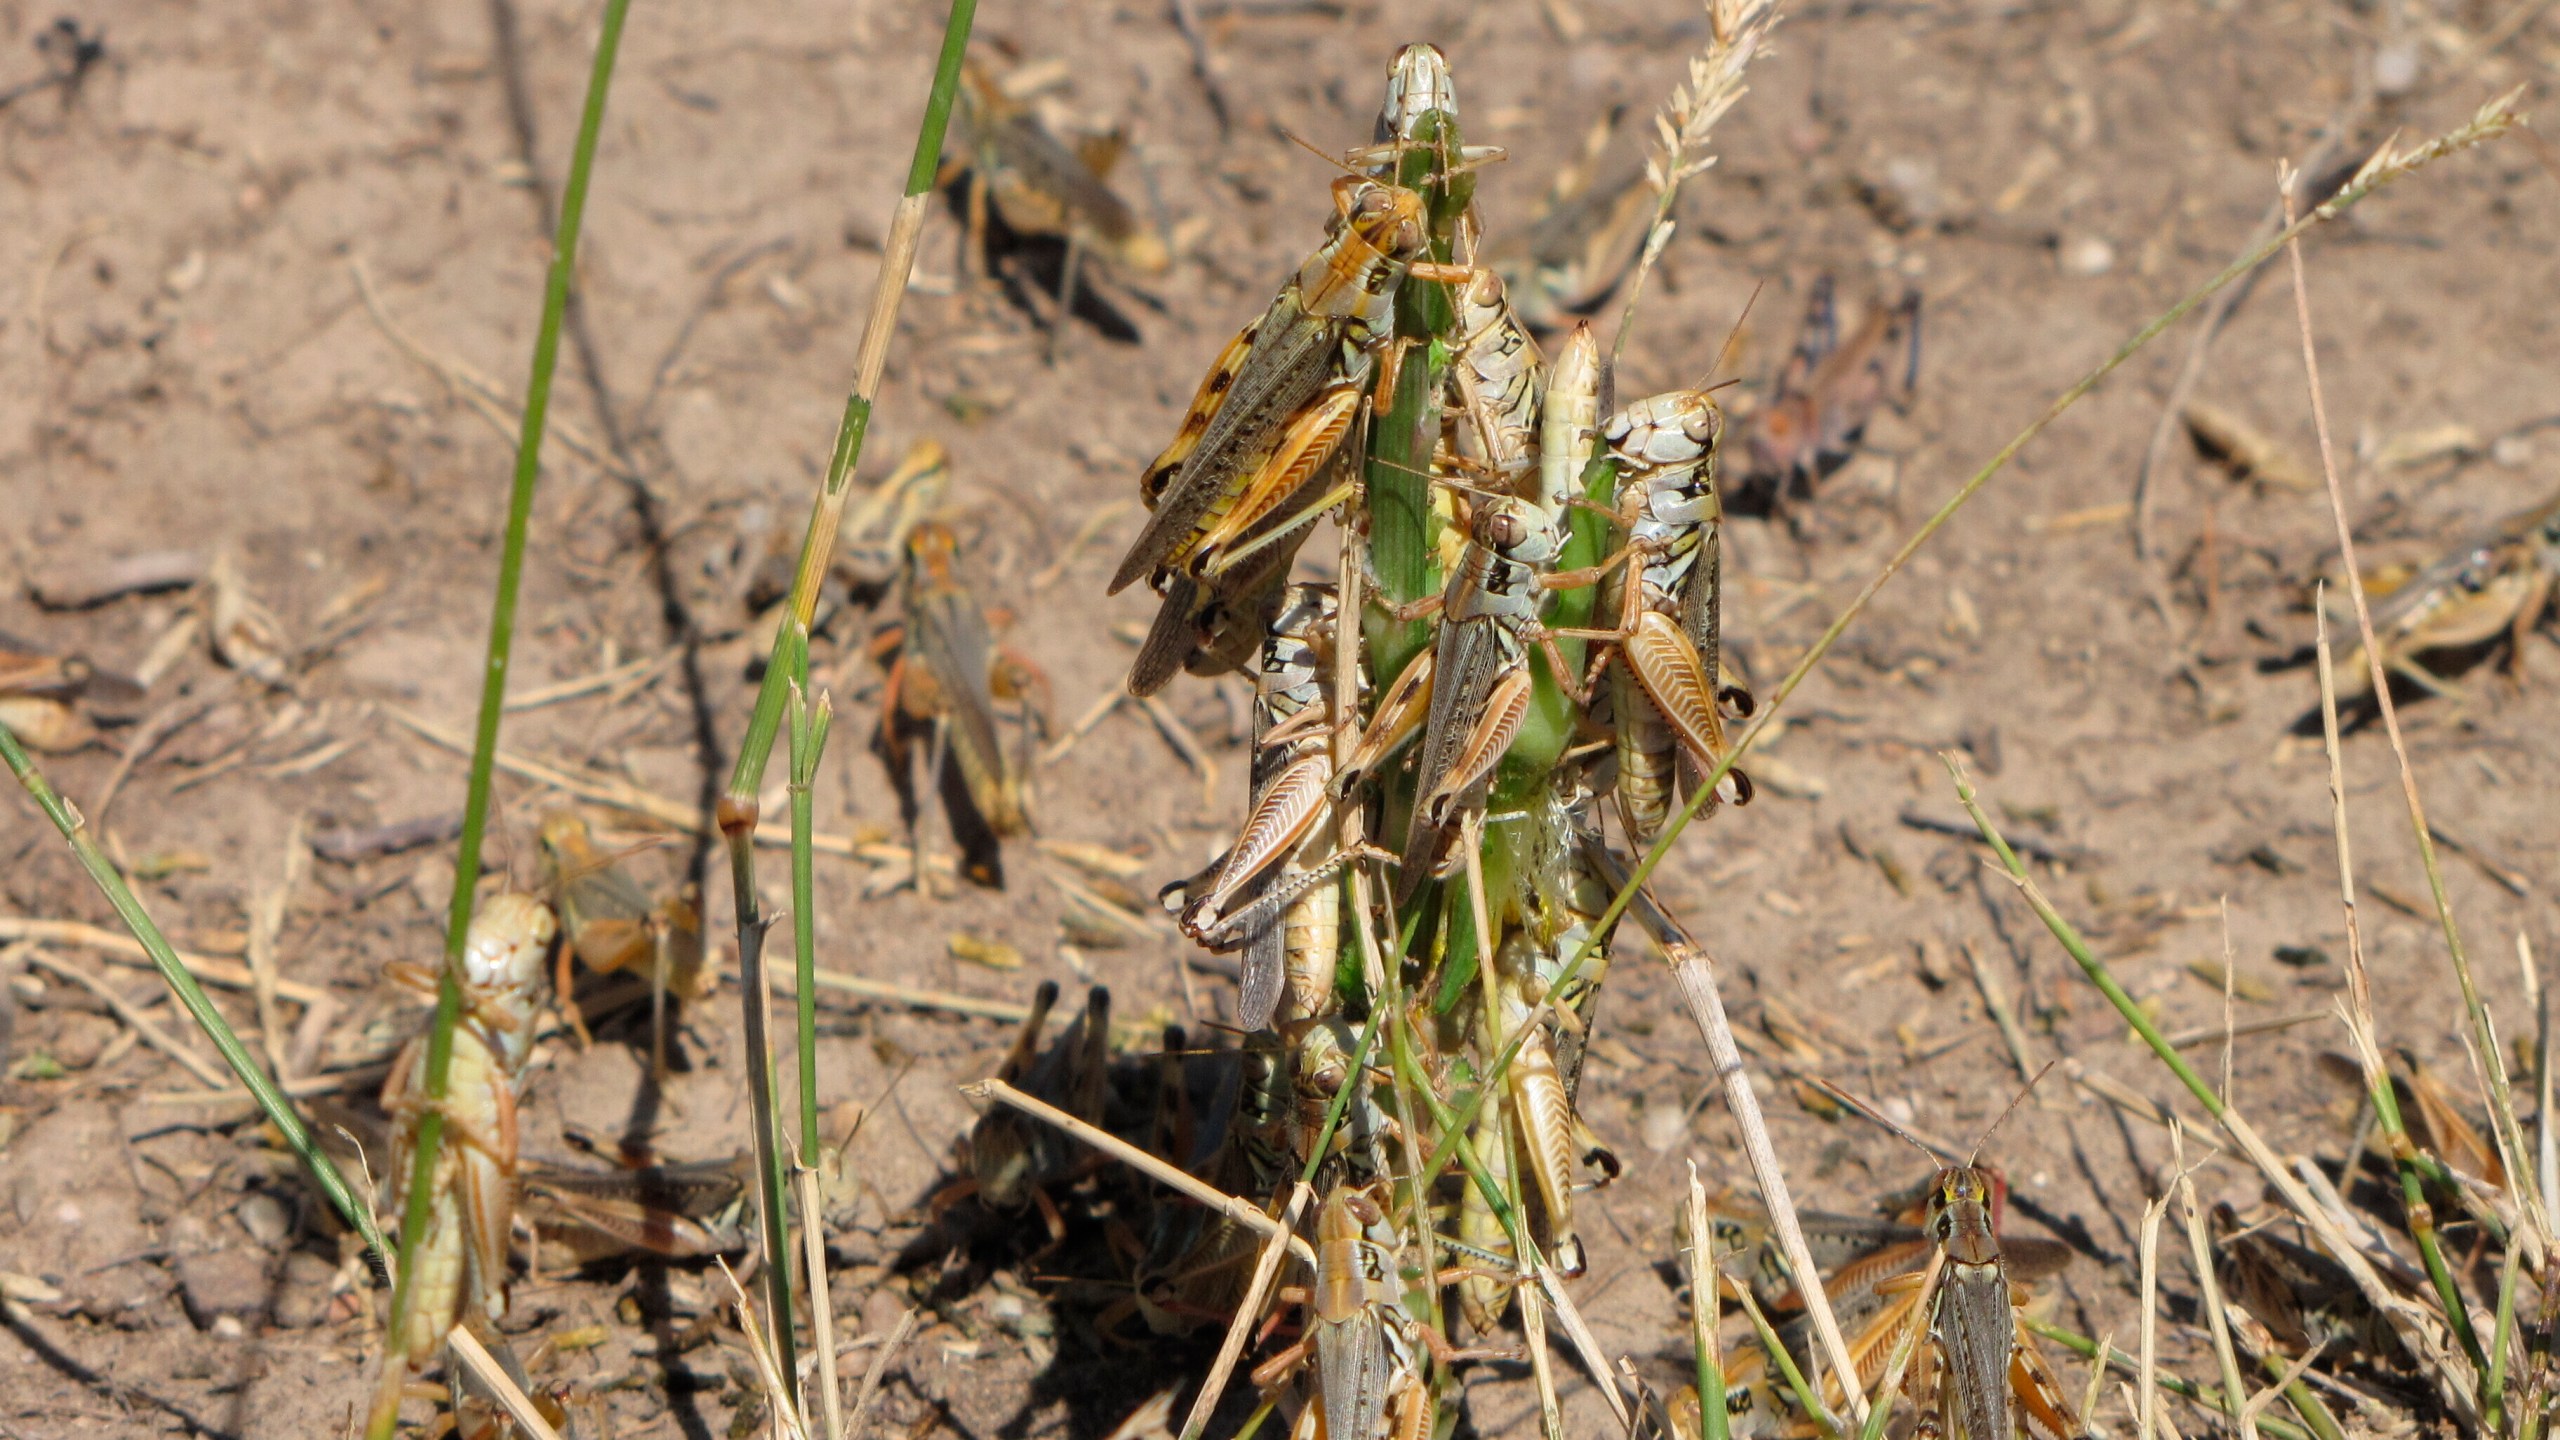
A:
<point x="152" y="1035"/>
<point x="2200" y="1245"/>
<point x="1266" y="1267"/>
<point x="125" y="950"/>
<point x="870" y="1392"/>
<point x="2146" y="1375"/>
<point x="485" y="1370"/>
<point x="769" y="1376"/>
<point x="1737" y="30"/>
<point x="822" y="1319"/>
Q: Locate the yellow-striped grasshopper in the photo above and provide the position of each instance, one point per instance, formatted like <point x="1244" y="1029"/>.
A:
<point x="1829" y="390"/>
<point x="1267" y="420"/>
<point x="460" y="1262"/>
<point x="609" y="924"/>
<point x="1272" y="894"/>
<point x="1667" y="698"/>
<point x="945" y="676"/>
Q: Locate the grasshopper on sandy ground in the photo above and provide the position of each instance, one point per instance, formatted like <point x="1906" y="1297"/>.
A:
<point x="1825" y="395"/>
<point x="945" y="679"/>
<point x="460" y="1273"/>
<point x="670" y="1211"/>
<point x="608" y="922"/>
<point x="51" y="702"/>
<point x="1973" y="1374"/>
<point x="1037" y="185"/>
<point x="2496" y="584"/>
<point x="1014" y="1159"/>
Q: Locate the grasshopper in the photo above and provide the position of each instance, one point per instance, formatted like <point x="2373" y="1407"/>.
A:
<point x="1289" y="922"/>
<point x="1569" y="260"/>
<point x="1480" y="681"/>
<point x="1541" y="1110"/>
<point x="1829" y="390"/>
<point x="1974" y="1373"/>
<point x="1366" y="1351"/>
<point x="1013" y="1159"/>
<point x="1667" y="697"/>
<point x="945" y="676"/>
<point x="460" y="1270"/>
<point x="48" y="700"/>
<point x="2497" y="582"/>
<point x="611" y="926"/>
<point x="680" y="1211"/>
<point x="1037" y="185"/>
<point x="1277" y="403"/>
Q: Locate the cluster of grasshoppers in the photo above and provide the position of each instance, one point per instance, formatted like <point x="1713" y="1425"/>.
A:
<point x="1524" y="627"/>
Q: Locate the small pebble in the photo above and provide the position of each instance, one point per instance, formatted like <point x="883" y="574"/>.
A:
<point x="265" y="1218"/>
<point x="2395" y="69"/>
<point x="228" y="1327"/>
<point x="2087" y="257"/>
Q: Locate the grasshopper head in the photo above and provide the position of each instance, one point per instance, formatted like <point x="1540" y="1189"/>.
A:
<point x="1389" y="219"/>
<point x="931" y="548"/>
<point x="1516" y="530"/>
<point x="1417" y="84"/>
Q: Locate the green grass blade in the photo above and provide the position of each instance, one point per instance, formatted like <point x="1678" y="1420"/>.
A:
<point x="350" y="1206"/>
<point x="493" y="679"/>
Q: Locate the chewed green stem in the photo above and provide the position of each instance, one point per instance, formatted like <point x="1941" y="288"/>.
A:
<point x="128" y="907"/>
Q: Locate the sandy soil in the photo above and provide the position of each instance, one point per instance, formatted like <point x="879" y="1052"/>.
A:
<point x="187" y="360"/>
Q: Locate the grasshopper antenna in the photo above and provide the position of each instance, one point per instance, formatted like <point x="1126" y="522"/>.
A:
<point x="1938" y="1154"/>
<point x="1732" y="342"/>
<point x="2023" y="1092"/>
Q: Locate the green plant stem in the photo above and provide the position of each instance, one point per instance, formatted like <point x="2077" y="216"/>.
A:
<point x="809" y="725"/>
<point x="128" y="907"/>
<point x="493" y="677"/>
<point x="791" y="657"/>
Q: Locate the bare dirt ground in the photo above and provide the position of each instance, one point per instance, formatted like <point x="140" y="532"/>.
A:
<point x="187" y="360"/>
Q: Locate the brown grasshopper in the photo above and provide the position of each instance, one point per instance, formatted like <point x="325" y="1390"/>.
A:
<point x="1974" y="1374"/>
<point x="611" y="926"/>
<point x="683" y="1211"/>
<point x="1014" y="1159"/>
<point x="48" y="700"/>
<point x="1668" y="699"/>
<point x="2496" y="583"/>
<point x="1037" y="185"/>
<point x="460" y="1264"/>
<point x="1828" y="391"/>
<point x="945" y="676"/>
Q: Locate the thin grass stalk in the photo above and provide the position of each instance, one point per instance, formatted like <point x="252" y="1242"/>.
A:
<point x="2495" y="1386"/>
<point x="826" y="517"/>
<point x="2360" y="1026"/>
<point x="2115" y="1359"/>
<point x="755" y="1004"/>
<point x="2208" y="1286"/>
<point x="66" y="818"/>
<point x="493" y="676"/>
<point x="2146" y="1372"/>
<point x="822" y="1315"/>
<point x="2501" y="1103"/>
<point x="1784" y="1362"/>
